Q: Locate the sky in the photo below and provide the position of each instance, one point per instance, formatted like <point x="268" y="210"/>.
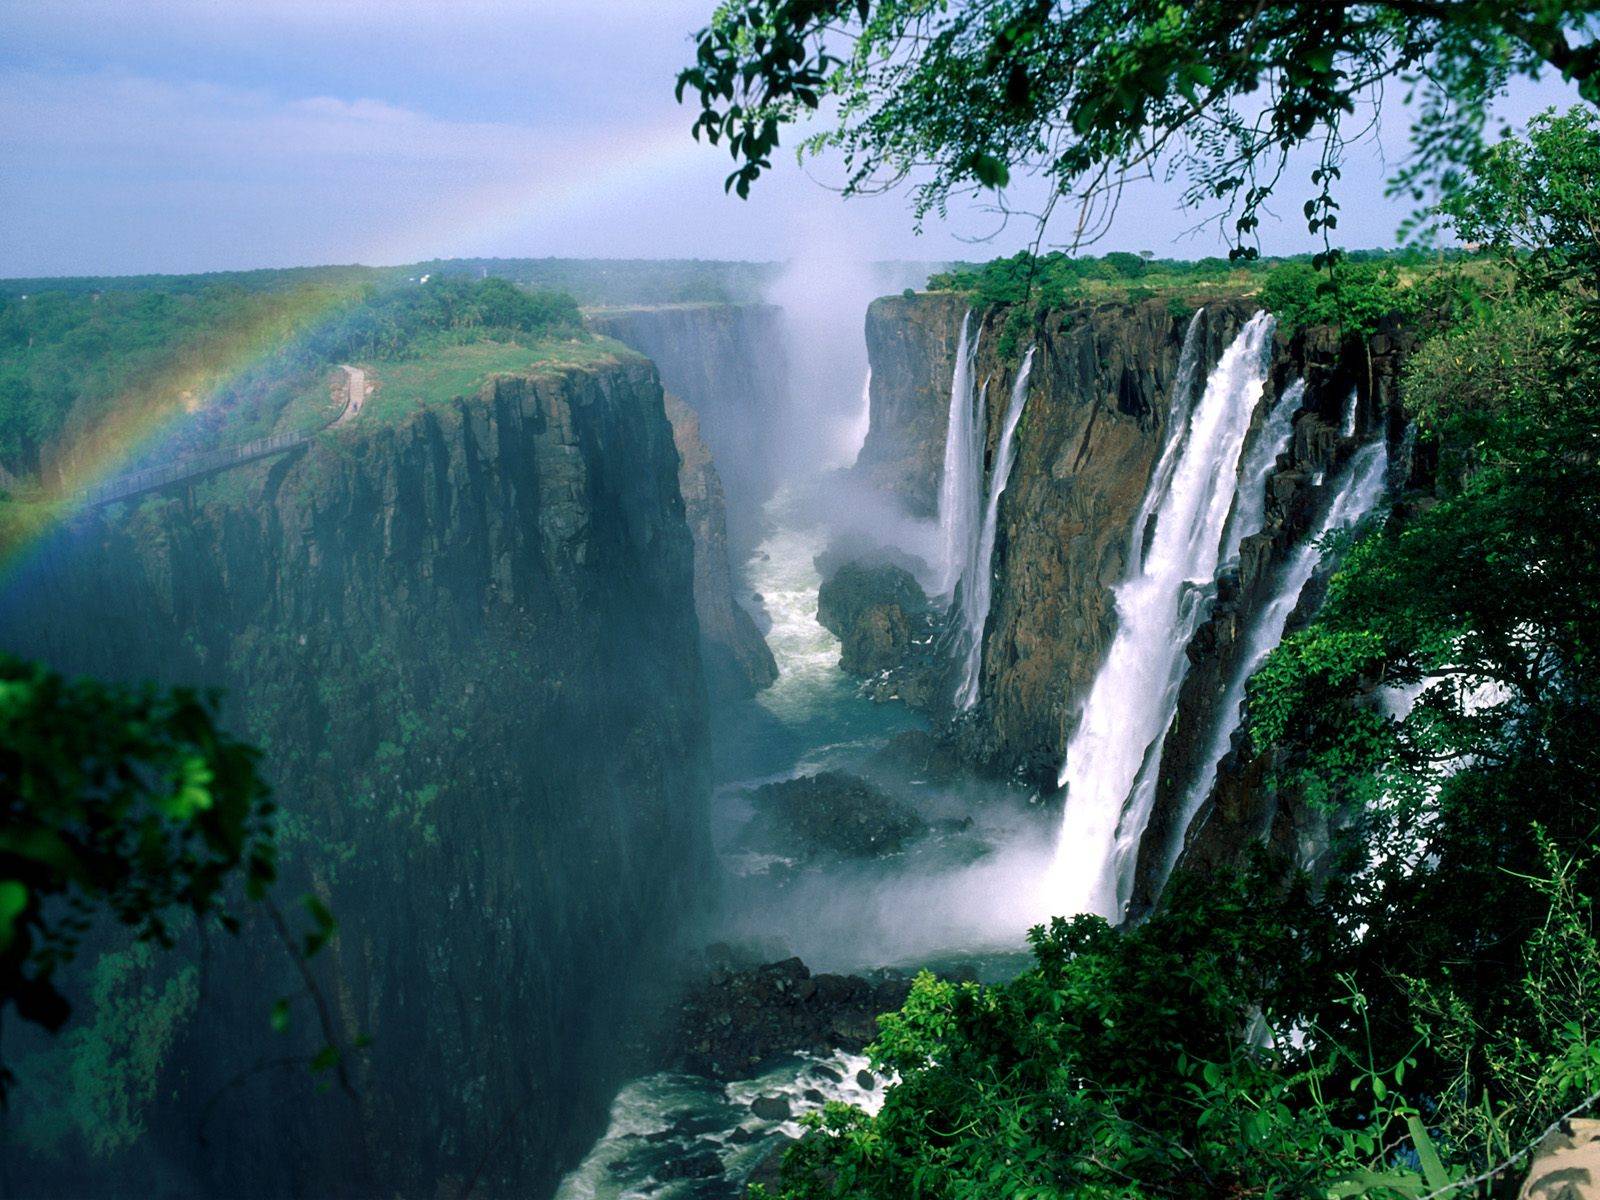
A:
<point x="190" y="135"/>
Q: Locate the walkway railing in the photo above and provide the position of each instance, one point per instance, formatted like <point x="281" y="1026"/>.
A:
<point x="150" y="478"/>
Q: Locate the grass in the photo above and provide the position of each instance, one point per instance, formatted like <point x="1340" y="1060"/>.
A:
<point x="443" y="372"/>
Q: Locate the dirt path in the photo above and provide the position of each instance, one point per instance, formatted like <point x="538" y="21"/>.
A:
<point x="356" y="384"/>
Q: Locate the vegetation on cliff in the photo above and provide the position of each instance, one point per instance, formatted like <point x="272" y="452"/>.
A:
<point x="80" y="368"/>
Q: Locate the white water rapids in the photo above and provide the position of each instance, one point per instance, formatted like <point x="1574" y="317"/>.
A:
<point x="1111" y="761"/>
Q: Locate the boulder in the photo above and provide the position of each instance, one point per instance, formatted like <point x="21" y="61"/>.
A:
<point x="830" y="814"/>
<point x="877" y="613"/>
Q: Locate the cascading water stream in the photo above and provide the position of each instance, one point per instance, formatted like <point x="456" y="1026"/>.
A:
<point x="978" y="591"/>
<point x="1251" y="509"/>
<point x="1360" y="489"/>
<point x="1347" y="420"/>
<point x="856" y="438"/>
<point x="1110" y="769"/>
<point x="1177" y="434"/>
<point x="962" y="481"/>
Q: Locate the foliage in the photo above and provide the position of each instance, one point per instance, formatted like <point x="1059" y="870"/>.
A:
<point x="1090" y="94"/>
<point x="1354" y="296"/>
<point x="127" y="801"/>
<point x="1440" y="711"/>
<point x="91" y="1087"/>
<point x="78" y="368"/>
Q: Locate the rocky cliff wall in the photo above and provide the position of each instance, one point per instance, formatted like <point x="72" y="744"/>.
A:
<point x="737" y="658"/>
<point x="467" y="647"/>
<point x="1089" y="435"/>
<point x="729" y="363"/>
<point x="1242" y="806"/>
<point x="1094" y="422"/>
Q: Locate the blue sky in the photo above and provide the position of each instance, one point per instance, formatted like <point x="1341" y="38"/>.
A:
<point x="186" y="135"/>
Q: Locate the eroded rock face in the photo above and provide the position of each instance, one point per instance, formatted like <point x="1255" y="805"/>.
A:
<point x="729" y="363"/>
<point x="1243" y="807"/>
<point x="1093" y="424"/>
<point x="491" y="756"/>
<point x="738" y="660"/>
<point x="911" y="344"/>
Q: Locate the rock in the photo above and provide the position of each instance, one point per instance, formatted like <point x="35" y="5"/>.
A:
<point x="1566" y="1164"/>
<point x="698" y="1164"/>
<point x="866" y="1081"/>
<point x="874" y="611"/>
<point x="830" y="814"/>
<point x="771" y="1108"/>
<point x="918" y="754"/>
<point x="737" y="658"/>
<point x="768" y="1172"/>
<point x="759" y="1017"/>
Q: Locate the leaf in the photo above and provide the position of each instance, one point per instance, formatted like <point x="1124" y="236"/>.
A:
<point x="1427" y="1154"/>
<point x="280" y="1015"/>
<point x="13" y="899"/>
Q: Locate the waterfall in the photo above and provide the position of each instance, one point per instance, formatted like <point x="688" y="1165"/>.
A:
<point x="856" y="436"/>
<point x="1177" y="434"/>
<point x="963" y="463"/>
<point x="978" y="591"/>
<point x="1113" y="756"/>
<point x="1250" y="510"/>
<point x="1360" y="489"/>
<point x="1347" y="421"/>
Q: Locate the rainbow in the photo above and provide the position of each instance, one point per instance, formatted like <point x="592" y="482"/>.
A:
<point x="143" y="419"/>
<point x="141" y="422"/>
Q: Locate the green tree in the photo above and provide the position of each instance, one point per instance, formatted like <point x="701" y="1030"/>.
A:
<point x="1092" y="93"/>
<point x="128" y="803"/>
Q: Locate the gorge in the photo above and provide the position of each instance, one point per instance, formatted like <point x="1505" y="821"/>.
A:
<point x="529" y="657"/>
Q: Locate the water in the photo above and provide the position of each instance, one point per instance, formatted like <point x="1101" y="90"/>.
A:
<point x="962" y="479"/>
<point x="978" y="591"/>
<point x="1183" y="395"/>
<point x="1347" y="422"/>
<point x="662" y="1120"/>
<point x="1110" y="768"/>
<point x="813" y="715"/>
<point x="856" y="435"/>
<point x="1361" y="488"/>
<point x="1250" y="512"/>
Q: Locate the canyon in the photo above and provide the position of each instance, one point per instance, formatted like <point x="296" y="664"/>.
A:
<point x="526" y="665"/>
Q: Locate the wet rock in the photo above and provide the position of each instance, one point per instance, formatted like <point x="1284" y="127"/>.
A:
<point x="771" y="1108"/>
<point x="737" y="659"/>
<point x="700" y="1164"/>
<point x="768" y="1171"/>
<point x="920" y="755"/>
<point x="830" y="814"/>
<point x="765" y="1014"/>
<point x="866" y="1080"/>
<point x="875" y="611"/>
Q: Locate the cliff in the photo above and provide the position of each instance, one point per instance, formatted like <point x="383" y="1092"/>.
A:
<point x="466" y="643"/>
<point x="729" y="363"/>
<point x="1242" y="806"/>
<point x="1096" y="415"/>
<point x="911" y="345"/>
<point x="737" y="659"/>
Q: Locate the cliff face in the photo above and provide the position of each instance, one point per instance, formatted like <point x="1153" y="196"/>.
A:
<point x="1095" y="416"/>
<point x="1094" y="423"/>
<point x="727" y="362"/>
<point x="911" y="344"/>
<point x="467" y="646"/>
<point x="736" y="656"/>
